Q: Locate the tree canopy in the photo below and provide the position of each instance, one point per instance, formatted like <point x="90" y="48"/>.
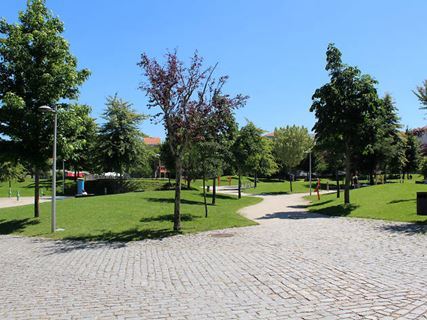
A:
<point x="36" y="69"/>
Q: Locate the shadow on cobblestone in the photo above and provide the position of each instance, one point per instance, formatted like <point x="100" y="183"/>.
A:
<point x="11" y="226"/>
<point x="407" y="228"/>
<point x="110" y="239"/>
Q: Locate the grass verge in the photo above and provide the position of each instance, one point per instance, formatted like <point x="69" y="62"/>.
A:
<point x="126" y="217"/>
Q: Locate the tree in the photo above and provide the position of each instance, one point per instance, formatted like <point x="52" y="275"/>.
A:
<point x="77" y="134"/>
<point x="421" y="93"/>
<point x="36" y="69"/>
<point x="120" y="141"/>
<point x="266" y="165"/>
<point x="247" y="151"/>
<point x="11" y="171"/>
<point x="385" y="139"/>
<point x="185" y="97"/>
<point x="412" y="154"/>
<point x="345" y="109"/>
<point x="291" y="145"/>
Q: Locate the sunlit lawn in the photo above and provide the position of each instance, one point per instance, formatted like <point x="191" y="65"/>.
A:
<point x="125" y="217"/>
<point x="394" y="201"/>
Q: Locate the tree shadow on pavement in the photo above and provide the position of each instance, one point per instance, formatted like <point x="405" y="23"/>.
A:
<point x="407" y="228"/>
<point x="108" y="239"/>
<point x="11" y="226"/>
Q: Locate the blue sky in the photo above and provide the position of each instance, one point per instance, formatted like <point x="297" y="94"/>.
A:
<point x="273" y="50"/>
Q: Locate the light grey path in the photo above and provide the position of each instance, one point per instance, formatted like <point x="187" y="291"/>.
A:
<point x="23" y="201"/>
<point x="292" y="266"/>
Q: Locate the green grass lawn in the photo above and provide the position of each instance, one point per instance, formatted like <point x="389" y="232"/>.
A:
<point x="126" y="217"/>
<point x="394" y="201"/>
<point x="26" y="188"/>
<point x="283" y="187"/>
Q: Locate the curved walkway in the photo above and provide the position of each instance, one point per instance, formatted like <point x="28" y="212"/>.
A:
<point x="302" y="266"/>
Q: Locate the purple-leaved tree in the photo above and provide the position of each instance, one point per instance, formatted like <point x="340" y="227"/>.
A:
<point x="190" y="103"/>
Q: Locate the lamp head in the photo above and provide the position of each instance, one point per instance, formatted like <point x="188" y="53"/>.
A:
<point x="46" y="109"/>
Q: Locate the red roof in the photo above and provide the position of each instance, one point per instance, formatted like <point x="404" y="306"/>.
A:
<point x="270" y="135"/>
<point x="152" y="141"/>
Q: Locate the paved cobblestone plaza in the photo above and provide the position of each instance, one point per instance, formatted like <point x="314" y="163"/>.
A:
<point x="292" y="266"/>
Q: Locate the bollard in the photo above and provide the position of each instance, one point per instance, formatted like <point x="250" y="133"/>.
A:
<point x="327" y="186"/>
<point x="105" y="190"/>
<point x="17" y="196"/>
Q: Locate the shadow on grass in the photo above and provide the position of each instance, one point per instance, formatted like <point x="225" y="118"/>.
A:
<point x="319" y="203"/>
<point x="272" y="193"/>
<point x="169" y="217"/>
<point x="401" y="200"/>
<point x="11" y="226"/>
<point x="337" y="211"/>
<point x="171" y="200"/>
<point x="296" y="215"/>
<point x="407" y="228"/>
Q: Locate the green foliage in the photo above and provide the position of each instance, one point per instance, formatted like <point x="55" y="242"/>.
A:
<point x="36" y="68"/>
<point x="421" y="93"/>
<point x="12" y="171"/>
<point x="120" y="143"/>
<point x="77" y="132"/>
<point x="248" y="148"/>
<point x="412" y="154"/>
<point x="291" y="145"/>
<point x="346" y="109"/>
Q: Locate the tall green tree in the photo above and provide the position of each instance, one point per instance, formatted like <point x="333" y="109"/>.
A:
<point x="10" y="171"/>
<point x="247" y="151"/>
<point x="385" y="144"/>
<point x="345" y="110"/>
<point x="412" y="154"/>
<point x="36" y="69"/>
<point x="77" y="134"/>
<point x="120" y="143"/>
<point x="291" y="144"/>
<point x="421" y="93"/>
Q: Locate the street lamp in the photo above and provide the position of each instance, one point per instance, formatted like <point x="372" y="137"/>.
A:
<point x="309" y="167"/>
<point x="53" y="110"/>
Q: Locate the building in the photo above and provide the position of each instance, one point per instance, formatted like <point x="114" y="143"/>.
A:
<point x="152" y="141"/>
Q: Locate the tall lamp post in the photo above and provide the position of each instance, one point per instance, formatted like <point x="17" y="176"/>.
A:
<point x="309" y="168"/>
<point x="53" y="110"/>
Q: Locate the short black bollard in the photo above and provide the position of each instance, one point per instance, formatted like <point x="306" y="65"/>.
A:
<point x="422" y="203"/>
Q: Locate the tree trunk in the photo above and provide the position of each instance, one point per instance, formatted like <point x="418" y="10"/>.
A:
<point x="204" y="193"/>
<point x="290" y="182"/>
<point x="188" y="184"/>
<point x="347" y="179"/>
<point x="36" y="193"/>
<point x="177" y="208"/>
<point x="338" y="185"/>
<point x="255" y="180"/>
<point x="240" y="186"/>
<point x="213" y="191"/>
<point x="371" y="178"/>
<point x="10" y="184"/>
